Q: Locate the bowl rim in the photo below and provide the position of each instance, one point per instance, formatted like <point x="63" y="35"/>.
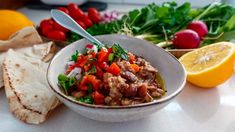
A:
<point x="158" y="101"/>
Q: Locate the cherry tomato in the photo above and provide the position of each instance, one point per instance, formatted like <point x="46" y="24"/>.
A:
<point x="59" y="27"/>
<point x="46" y="29"/>
<point x="65" y="10"/>
<point x="82" y="24"/>
<point x="95" y="18"/>
<point x="57" y="35"/>
<point x="46" y="22"/>
<point x="77" y="14"/>
<point x="98" y="98"/>
<point x="87" y="22"/>
<point x="92" y="11"/>
<point x="72" y="6"/>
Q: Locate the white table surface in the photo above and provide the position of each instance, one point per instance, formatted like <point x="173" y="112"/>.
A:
<point x="194" y="110"/>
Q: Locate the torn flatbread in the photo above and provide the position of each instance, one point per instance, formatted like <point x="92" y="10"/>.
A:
<point x="42" y="52"/>
<point x="27" y="89"/>
<point x="25" y="37"/>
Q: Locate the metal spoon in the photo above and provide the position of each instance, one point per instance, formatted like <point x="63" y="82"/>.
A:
<point x="66" y="21"/>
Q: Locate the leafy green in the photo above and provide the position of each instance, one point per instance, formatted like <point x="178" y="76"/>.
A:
<point x="86" y="99"/>
<point x="159" y="23"/>
<point x="75" y="56"/>
<point x="66" y="83"/>
<point x="119" y="52"/>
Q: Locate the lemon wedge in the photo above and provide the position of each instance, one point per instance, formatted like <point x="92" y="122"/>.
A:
<point x="211" y="65"/>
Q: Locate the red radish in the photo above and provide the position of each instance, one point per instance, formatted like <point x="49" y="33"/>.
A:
<point x="59" y="27"/>
<point x="200" y="27"/>
<point x="57" y="35"/>
<point x="186" y="39"/>
<point x="46" y="29"/>
<point x="65" y="10"/>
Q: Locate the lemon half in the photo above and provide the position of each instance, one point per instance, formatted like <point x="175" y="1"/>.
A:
<point x="211" y="65"/>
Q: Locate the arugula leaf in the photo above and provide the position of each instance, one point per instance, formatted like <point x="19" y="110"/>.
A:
<point x="120" y="52"/>
<point x="87" y="99"/>
<point x="75" y="56"/>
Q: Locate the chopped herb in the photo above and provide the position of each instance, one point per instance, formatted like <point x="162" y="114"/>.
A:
<point x="120" y="52"/>
<point x="111" y="57"/>
<point x="92" y="70"/>
<point x="75" y="56"/>
<point x="90" y="88"/>
<point x="66" y="82"/>
<point x="87" y="99"/>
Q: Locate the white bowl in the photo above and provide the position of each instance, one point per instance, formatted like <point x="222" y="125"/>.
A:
<point x="171" y="70"/>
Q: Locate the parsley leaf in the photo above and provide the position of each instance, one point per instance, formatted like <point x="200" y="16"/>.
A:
<point x="75" y="56"/>
<point x="90" y="88"/>
<point x="66" y="82"/>
<point x="87" y="99"/>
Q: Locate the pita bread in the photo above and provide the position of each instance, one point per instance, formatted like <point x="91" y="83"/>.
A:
<point x="43" y="52"/>
<point x="27" y="89"/>
<point x="25" y="37"/>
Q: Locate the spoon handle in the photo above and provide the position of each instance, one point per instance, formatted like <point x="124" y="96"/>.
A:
<point x="66" y="21"/>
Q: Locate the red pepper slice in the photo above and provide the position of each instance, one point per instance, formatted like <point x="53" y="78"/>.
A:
<point x="114" y="69"/>
<point x="98" y="98"/>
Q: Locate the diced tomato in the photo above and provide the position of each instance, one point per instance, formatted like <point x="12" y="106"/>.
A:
<point x="89" y="79"/>
<point x="87" y="67"/>
<point x="114" y="69"/>
<point x="99" y="72"/>
<point x="94" y="81"/>
<point x="104" y="66"/>
<point x="135" y="67"/>
<point x="103" y="55"/>
<point x="98" y="98"/>
<point x="131" y="57"/>
<point x="87" y="22"/>
<point x="71" y="67"/>
<point x="110" y="50"/>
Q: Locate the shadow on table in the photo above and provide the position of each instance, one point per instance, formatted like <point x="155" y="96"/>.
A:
<point x="198" y="103"/>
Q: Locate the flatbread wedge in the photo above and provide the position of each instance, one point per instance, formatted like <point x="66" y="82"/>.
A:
<point x="27" y="90"/>
<point x="43" y="52"/>
<point x="25" y="37"/>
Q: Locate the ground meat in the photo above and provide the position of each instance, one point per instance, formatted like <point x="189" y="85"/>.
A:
<point x="129" y="76"/>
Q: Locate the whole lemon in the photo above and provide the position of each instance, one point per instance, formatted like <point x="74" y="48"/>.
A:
<point x="12" y="21"/>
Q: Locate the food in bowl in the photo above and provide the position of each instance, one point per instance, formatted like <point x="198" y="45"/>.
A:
<point x="110" y="76"/>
